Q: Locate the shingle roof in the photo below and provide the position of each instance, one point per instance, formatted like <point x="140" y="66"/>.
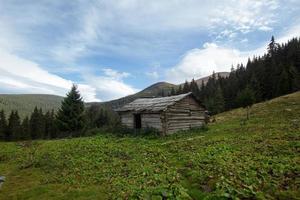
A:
<point x="152" y="104"/>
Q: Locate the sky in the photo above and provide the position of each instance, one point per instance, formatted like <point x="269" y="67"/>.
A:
<point x="114" y="48"/>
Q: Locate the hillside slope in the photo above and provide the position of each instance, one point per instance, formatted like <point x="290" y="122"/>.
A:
<point x="151" y="91"/>
<point x="155" y="90"/>
<point x="25" y="103"/>
<point x="205" y="79"/>
<point x="257" y="160"/>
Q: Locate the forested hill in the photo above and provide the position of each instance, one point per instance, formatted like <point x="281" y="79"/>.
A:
<point x="155" y="90"/>
<point x="25" y="103"/>
<point x="275" y="73"/>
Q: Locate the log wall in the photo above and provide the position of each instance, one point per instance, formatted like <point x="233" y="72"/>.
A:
<point x="184" y="115"/>
<point x="151" y="120"/>
<point x="127" y="119"/>
<point x="148" y="120"/>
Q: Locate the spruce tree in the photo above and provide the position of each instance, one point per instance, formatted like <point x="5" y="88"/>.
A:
<point x="14" y="126"/>
<point x="47" y="118"/>
<point x="179" y="91"/>
<point x="37" y="127"/>
<point x="219" y="102"/>
<point x="194" y="88"/>
<point x="25" y="129"/>
<point x="186" y="87"/>
<point x="52" y="128"/>
<point x="3" y="125"/>
<point x="245" y="99"/>
<point x="70" y="117"/>
<point x="272" y="47"/>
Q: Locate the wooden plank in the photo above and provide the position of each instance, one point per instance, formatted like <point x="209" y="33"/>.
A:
<point x="188" y="118"/>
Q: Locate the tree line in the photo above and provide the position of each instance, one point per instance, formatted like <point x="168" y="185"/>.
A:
<point x="264" y="77"/>
<point x="71" y="120"/>
<point x="275" y="73"/>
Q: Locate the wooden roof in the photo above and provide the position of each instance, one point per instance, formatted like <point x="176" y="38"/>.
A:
<point x="152" y="104"/>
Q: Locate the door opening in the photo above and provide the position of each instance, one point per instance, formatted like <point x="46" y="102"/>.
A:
<point x="137" y="121"/>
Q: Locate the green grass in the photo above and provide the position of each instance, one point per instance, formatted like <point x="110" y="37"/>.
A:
<point x="258" y="160"/>
<point x="25" y="103"/>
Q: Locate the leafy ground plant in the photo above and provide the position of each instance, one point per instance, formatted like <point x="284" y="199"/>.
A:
<point x="259" y="160"/>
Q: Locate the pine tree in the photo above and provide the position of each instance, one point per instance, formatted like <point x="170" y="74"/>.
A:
<point x="3" y="125"/>
<point x="37" y="126"/>
<point x="25" y="129"/>
<point x="288" y="80"/>
<point x="52" y="127"/>
<point x="179" y="91"/>
<point x="255" y="87"/>
<point x="245" y="99"/>
<point x="49" y="125"/>
<point x="48" y="121"/>
<point x="70" y="117"/>
<point x="186" y="87"/>
<point x="219" y="102"/>
<point x="14" y="126"/>
<point x="194" y="88"/>
<point x="272" y="47"/>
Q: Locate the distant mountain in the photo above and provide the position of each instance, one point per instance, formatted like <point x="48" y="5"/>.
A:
<point x="205" y="79"/>
<point x="25" y="103"/>
<point x="154" y="90"/>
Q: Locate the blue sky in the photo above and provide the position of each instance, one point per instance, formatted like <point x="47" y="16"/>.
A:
<point x="118" y="47"/>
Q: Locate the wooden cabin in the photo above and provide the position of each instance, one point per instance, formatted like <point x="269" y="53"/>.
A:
<point x="167" y="114"/>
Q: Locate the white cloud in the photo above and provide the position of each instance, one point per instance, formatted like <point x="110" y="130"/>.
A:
<point x="265" y="28"/>
<point x="19" y="75"/>
<point x="108" y="88"/>
<point x="129" y="27"/>
<point x="105" y="27"/>
<point x="241" y="17"/>
<point x="293" y="31"/>
<point x="114" y="74"/>
<point x="202" y="62"/>
<point x="153" y="74"/>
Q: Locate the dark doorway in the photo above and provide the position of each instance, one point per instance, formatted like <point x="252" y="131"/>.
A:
<point x="137" y="121"/>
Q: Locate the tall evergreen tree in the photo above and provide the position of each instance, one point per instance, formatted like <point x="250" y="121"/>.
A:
<point x="245" y="99"/>
<point x="25" y="129"/>
<point x="37" y="126"/>
<point x="50" y="126"/>
<point x="194" y="88"/>
<point x="3" y="125"/>
<point x="14" y="126"/>
<point x="186" y="87"/>
<point x="272" y="47"/>
<point x="70" y="117"/>
<point x="179" y="91"/>
<point x="219" y="102"/>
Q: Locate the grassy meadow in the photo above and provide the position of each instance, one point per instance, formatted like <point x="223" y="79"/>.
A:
<point x="231" y="160"/>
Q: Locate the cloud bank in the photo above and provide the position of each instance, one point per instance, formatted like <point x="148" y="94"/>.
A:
<point x="46" y="46"/>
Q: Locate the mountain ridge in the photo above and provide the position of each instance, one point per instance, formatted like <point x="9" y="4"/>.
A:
<point x="25" y="103"/>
